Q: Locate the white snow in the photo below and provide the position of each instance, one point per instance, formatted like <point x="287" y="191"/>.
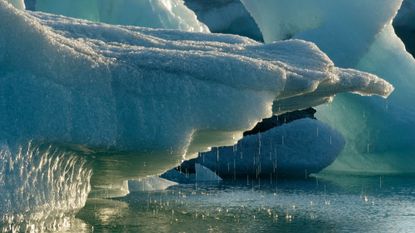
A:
<point x="168" y="14"/>
<point x="357" y="34"/>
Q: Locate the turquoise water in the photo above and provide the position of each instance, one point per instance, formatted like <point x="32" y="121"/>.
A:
<point x="324" y="204"/>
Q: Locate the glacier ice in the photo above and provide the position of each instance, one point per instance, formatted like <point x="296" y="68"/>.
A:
<point x="168" y="14"/>
<point x="150" y="97"/>
<point x="343" y="34"/>
<point x="379" y="133"/>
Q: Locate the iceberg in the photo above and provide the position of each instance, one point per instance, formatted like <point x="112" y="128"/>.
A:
<point x="295" y="149"/>
<point x="204" y="174"/>
<point x="379" y="133"/>
<point x="149" y="184"/>
<point x="168" y="14"/>
<point x="149" y="98"/>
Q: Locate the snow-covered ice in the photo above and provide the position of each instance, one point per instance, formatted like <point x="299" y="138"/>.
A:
<point x="157" y="96"/>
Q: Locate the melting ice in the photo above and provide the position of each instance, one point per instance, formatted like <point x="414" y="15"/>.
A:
<point x="146" y="93"/>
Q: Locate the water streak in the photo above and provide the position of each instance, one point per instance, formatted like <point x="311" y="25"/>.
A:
<point x="41" y="188"/>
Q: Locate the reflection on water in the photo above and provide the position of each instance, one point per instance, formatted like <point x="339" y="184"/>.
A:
<point x="324" y="204"/>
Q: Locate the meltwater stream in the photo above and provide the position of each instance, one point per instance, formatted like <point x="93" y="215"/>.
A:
<point x="41" y="188"/>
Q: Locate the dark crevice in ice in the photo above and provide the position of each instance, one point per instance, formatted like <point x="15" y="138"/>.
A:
<point x="217" y="15"/>
<point x="404" y="25"/>
<point x="275" y="121"/>
<point x="30" y="4"/>
<point x="407" y="35"/>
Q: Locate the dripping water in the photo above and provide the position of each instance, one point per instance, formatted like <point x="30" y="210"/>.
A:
<point x="41" y="188"/>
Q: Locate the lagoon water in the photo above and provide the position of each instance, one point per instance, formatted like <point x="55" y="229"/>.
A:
<point x="329" y="203"/>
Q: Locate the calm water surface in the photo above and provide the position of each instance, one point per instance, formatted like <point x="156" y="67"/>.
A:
<point x="324" y="204"/>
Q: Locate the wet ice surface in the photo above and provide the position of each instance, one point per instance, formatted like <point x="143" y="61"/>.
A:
<point x="325" y="204"/>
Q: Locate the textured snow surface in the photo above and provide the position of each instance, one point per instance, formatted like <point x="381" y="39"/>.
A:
<point x="151" y="92"/>
<point x="379" y="133"/>
<point x="168" y="14"/>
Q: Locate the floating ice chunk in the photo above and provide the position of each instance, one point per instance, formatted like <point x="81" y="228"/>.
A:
<point x="204" y="174"/>
<point x="178" y="176"/>
<point x="152" y="183"/>
<point x="295" y="149"/>
<point x="379" y="133"/>
<point x="160" y="95"/>
<point x="168" y="14"/>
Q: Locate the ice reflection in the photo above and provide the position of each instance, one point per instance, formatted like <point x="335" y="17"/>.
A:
<point x="333" y="204"/>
